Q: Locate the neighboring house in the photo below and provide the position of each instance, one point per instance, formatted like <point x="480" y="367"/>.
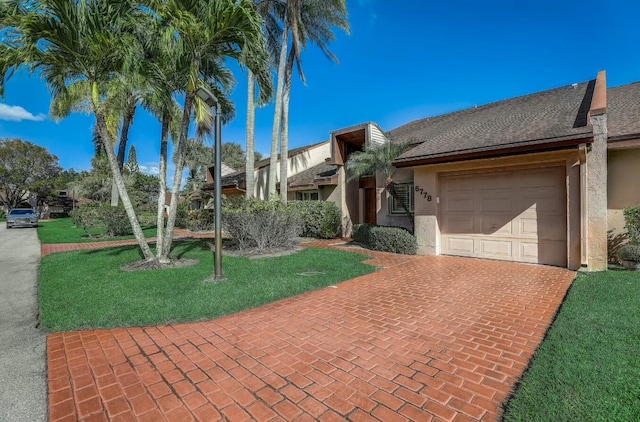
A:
<point x="309" y="175"/>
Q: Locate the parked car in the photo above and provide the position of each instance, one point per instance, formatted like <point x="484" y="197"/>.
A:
<point x="22" y="217"/>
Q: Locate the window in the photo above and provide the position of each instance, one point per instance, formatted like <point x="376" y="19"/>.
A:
<point x="405" y="192"/>
<point x="308" y="195"/>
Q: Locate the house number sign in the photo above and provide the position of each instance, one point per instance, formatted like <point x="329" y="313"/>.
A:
<point x="424" y="193"/>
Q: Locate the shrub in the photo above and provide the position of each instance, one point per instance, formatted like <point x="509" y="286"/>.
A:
<point x="113" y="220"/>
<point x="362" y="233"/>
<point x="3" y="215"/>
<point x="147" y="219"/>
<point x="385" y="239"/>
<point x="393" y="239"/>
<point x="200" y="220"/>
<point x="254" y="223"/>
<point x="320" y="219"/>
<point x="629" y="252"/>
<point x="632" y="223"/>
<point x="54" y="215"/>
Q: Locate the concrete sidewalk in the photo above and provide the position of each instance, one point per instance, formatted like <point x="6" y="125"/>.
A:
<point x="23" y="387"/>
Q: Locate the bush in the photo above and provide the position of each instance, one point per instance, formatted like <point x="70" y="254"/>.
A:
<point x="200" y="220"/>
<point x="54" y="215"/>
<point x="320" y="219"/>
<point x="113" y="220"/>
<point x="632" y="223"/>
<point x="362" y="233"/>
<point x="3" y="215"/>
<point x="629" y="252"/>
<point x="259" y="224"/>
<point x="385" y="239"/>
<point x="148" y="219"/>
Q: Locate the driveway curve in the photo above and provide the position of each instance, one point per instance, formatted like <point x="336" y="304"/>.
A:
<point x="424" y="338"/>
<point x="23" y="387"/>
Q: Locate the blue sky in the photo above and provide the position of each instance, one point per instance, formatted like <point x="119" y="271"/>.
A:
<point x="404" y="60"/>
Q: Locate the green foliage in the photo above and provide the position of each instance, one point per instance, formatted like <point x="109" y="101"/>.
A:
<point x="25" y="169"/>
<point x="629" y="252"/>
<point x="92" y="218"/>
<point x="259" y="224"/>
<point x="233" y="155"/>
<point x="320" y="219"/>
<point x="362" y="233"/>
<point x="3" y="214"/>
<point x="87" y="289"/>
<point x="143" y="190"/>
<point x="632" y="223"/>
<point x="200" y="220"/>
<point x="588" y="367"/>
<point x="385" y="239"/>
<point x="132" y="161"/>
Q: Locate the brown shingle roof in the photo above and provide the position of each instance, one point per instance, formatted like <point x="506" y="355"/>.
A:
<point x="557" y="114"/>
<point x="623" y="111"/>
<point x="312" y="175"/>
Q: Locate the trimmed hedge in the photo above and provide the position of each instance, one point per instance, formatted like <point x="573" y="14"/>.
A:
<point x="385" y="239"/>
<point x="263" y="225"/>
<point x="320" y="219"/>
<point x="112" y="219"/>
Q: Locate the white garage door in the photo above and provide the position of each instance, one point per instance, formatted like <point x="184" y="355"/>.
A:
<point x="517" y="215"/>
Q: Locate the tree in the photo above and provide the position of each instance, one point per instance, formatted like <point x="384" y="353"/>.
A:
<point x="233" y="155"/>
<point x="308" y="20"/>
<point x="378" y="160"/>
<point x="273" y="33"/>
<point x="71" y="42"/>
<point x="132" y="161"/>
<point x="25" y="169"/>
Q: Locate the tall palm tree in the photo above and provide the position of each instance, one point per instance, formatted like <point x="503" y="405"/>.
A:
<point x="206" y="32"/>
<point x="309" y="20"/>
<point x="70" y="41"/>
<point x="378" y="160"/>
<point x="268" y="10"/>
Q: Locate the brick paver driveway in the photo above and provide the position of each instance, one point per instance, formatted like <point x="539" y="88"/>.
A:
<point x="427" y="338"/>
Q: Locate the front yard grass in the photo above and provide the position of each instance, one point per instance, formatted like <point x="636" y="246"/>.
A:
<point x="87" y="289"/>
<point x="588" y="367"/>
<point x="62" y="230"/>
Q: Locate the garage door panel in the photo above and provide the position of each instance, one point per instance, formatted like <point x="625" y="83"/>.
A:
<point x="515" y="215"/>
<point x="499" y="225"/>
<point x="460" y="245"/>
<point x="495" y="248"/>
<point x="503" y="203"/>
<point x="462" y="204"/>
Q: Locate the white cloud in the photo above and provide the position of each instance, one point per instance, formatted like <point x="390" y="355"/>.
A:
<point x="17" y="114"/>
<point x="152" y="170"/>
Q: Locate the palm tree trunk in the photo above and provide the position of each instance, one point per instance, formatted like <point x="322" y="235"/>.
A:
<point x="251" y="127"/>
<point x="391" y="188"/>
<point x="284" y="136"/>
<point x="122" y="148"/>
<point x="177" y="177"/>
<point x="277" y="117"/>
<point x="162" y="191"/>
<point x="119" y="181"/>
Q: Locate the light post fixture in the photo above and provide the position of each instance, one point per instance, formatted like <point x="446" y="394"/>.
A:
<point x="207" y="96"/>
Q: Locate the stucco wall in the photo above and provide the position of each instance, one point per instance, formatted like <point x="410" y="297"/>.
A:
<point x="297" y="163"/>
<point x="622" y="185"/>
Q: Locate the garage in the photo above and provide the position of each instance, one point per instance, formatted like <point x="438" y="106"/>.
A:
<point x="516" y="215"/>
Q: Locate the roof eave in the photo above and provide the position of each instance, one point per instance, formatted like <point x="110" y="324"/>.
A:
<point x="455" y="156"/>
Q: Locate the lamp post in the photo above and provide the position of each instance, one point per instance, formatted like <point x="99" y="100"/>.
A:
<point x="207" y="96"/>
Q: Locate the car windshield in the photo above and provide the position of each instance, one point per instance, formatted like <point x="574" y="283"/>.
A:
<point x="20" y="212"/>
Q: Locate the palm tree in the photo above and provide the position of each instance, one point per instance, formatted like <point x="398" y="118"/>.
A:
<point x="69" y="41"/>
<point x="272" y="32"/>
<point x="207" y="32"/>
<point x="309" y="20"/>
<point x="379" y="160"/>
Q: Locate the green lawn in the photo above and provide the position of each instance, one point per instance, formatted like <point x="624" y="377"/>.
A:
<point x="87" y="289"/>
<point x="588" y="367"/>
<point x="62" y="230"/>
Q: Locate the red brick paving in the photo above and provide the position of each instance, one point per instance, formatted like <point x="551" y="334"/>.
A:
<point x="425" y="338"/>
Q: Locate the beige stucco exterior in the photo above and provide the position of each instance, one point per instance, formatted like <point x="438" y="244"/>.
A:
<point x="310" y="157"/>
